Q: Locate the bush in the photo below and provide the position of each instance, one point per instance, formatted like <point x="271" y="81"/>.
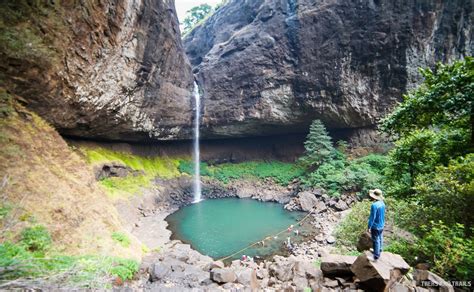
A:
<point x="359" y="175"/>
<point x="447" y="193"/>
<point x="121" y="238"/>
<point x="36" y="238"/>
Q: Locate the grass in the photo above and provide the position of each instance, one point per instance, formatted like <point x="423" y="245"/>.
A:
<point x="281" y="172"/>
<point x="33" y="257"/>
<point x="121" y="238"/>
<point x="398" y="214"/>
<point x="151" y="167"/>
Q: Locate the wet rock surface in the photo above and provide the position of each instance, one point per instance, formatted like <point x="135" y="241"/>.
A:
<point x="270" y="67"/>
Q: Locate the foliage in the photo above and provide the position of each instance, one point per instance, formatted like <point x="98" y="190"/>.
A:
<point x="79" y="271"/>
<point x="281" y="172"/>
<point x="447" y="193"/>
<point x="36" y="238"/>
<point x="121" y="238"/>
<point x="318" y="146"/>
<point x="187" y="166"/>
<point x="397" y="213"/>
<point x="445" y="99"/>
<point x="446" y="249"/>
<point x="340" y="175"/>
<point x="195" y="15"/>
<point x="33" y="257"/>
<point x="6" y="103"/>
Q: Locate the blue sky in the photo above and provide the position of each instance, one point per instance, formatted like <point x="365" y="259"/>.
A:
<point x="184" y="5"/>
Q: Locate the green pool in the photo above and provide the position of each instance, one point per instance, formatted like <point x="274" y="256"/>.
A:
<point x="221" y="227"/>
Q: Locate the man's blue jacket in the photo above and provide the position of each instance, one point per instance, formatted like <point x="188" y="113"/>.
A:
<point x="377" y="215"/>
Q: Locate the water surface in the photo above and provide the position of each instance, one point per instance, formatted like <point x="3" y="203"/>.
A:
<point x="221" y="227"/>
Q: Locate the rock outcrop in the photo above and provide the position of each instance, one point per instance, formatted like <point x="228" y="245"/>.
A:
<point x="271" y="67"/>
<point x="375" y="275"/>
<point x="115" y="70"/>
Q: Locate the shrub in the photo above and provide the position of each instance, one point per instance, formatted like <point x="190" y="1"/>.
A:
<point x="121" y="238"/>
<point x="359" y="175"/>
<point x="36" y="238"/>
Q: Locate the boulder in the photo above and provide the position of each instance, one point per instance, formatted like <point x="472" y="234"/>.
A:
<point x="159" y="271"/>
<point x="337" y="265"/>
<point x="248" y="278"/>
<point x="429" y="279"/>
<point x="376" y="275"/>
<point x="282" y="268"/>
<point x="307" y="201"/>
<point x="320" y="207"/>
<point x="341" y="206"/>
<point x="217" y="264"/>
<point x="225" y="275"/>
<point x="365" y="242"/>
<point x="331" y="239"/>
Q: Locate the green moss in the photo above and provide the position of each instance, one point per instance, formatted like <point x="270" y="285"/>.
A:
<point x="283" y="173"/>
<point x="150" y="167"/>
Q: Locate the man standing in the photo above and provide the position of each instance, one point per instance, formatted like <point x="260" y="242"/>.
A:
<point x="376" y="221"/>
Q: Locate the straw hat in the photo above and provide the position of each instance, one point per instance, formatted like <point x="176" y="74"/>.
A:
<point x="376" y="194"/>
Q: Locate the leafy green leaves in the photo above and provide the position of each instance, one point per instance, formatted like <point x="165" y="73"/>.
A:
<point x="196" y="15"/>
<point x="446" y="98"/>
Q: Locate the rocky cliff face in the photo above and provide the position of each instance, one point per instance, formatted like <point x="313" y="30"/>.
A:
<point x="108" y="69"/>
<point x="272" y="66"/>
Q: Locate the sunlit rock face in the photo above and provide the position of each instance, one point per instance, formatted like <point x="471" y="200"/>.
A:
<point x="272" y="66"/>
<point x="120" y="72"/>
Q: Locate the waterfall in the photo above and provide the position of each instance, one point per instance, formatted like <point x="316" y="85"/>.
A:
<point x="196" y="151"/>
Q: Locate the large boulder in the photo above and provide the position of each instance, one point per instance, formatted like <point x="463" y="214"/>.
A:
<point x="307" y="201"/>
<point x="337" y="265"/>
<point x="271" y="67"/>
<point x="282" y="268"/>
<point x="378" y="274"/>
<point x="225" y="275"/>
<point x="365" y="242"/>
<point x="247" y="277"/>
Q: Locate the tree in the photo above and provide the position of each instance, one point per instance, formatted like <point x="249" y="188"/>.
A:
<point x="318" y="146"/>
<point x="432" y="126"/>
<point x="195" y="15"/>
<point x="445" y="99"/>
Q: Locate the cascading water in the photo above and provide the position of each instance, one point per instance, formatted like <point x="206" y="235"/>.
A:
<point x="196" y="153"/>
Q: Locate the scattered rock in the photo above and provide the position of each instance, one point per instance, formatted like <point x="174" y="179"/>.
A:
<point x="376" y="275"/>
<point x="337" y="265"/>
<point x="365" y="242"/>
<point x="341" y="205"/>
<point x="307" y="201"/>
<point x="331" y="239"/>
<point x="159" y="271"/>
<point x="424" y="276"/>
<point x="248" y="278"/>
<point x="282" y="268"/>
<point x="217" y="264"/>
<point x="225" y="275"/>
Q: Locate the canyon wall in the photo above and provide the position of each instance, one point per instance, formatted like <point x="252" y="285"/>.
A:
<point x="111" y="69"/>
<point x="272" y="66"/>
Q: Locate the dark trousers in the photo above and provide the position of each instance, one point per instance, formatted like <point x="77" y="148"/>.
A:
<point x="377" y="241"/>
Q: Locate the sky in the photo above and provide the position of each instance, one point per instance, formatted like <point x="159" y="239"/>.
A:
<point x="184" y="5"/>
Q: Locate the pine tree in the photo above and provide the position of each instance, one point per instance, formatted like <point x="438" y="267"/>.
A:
<point x="318" y="146"/>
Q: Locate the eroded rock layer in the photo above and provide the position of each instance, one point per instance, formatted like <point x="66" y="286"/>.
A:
<point x="109" y="69"/>
<point x="272" y="66"/>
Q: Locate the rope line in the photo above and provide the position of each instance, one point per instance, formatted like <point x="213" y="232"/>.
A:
<point x="269" y="236"/>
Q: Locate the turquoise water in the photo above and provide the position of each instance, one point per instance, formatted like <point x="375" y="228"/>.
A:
<point x="221" y="227"/>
